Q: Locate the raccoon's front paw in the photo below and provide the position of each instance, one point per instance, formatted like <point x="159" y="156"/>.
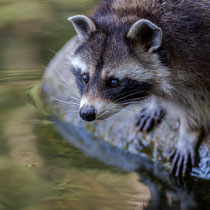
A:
<point x="183" y="159"/>
<point x="148" y="118"/>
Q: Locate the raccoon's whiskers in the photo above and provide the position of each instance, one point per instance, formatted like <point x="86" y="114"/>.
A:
<point x="122" y="94"/>
<point x="101" y="115"/>
<point x="71" y="112"/>
<point x="126" y="92"/>
<point x="51" y="50"/>
<point x="147" y="115"/>
<point x="72" y="104"/>
<point x="76" y="91"/>
<point x="64" y="102"/>
<point x="67" y="103"/>
<point x="130" y="102"/>
<point x="60" y="100"/>
<point x="137" y="92"/>
<point x="74" y="98"/>
<point x="138" y="100"/>
<point x="71" y="87"/>
<point x="137" y="113"/>
<point x="134" y="101"/>
<point x="107" y="110"/>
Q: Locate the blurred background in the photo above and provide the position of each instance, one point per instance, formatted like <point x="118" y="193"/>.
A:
<point x="38" y="168"/>
<point x="32" y="31"/>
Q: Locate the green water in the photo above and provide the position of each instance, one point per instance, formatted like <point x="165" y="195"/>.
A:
<point x="39" y="169"/>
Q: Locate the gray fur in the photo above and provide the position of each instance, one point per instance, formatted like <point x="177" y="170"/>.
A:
<point x="177" y="62"/>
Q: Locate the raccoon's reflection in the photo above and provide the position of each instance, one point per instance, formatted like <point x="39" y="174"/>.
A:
<point x="166" y="191"/>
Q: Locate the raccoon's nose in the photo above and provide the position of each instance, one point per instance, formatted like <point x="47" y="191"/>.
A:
<point x="87" y="113"/>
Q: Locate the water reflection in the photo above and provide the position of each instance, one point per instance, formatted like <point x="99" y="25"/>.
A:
<point x="41" y="170"/>
<point x="167" y="192"/>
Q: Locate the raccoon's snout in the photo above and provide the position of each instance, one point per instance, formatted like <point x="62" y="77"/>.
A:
<point x="87" y="113"/>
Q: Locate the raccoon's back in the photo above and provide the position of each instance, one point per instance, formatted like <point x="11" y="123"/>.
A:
<point x="185" y="25"/>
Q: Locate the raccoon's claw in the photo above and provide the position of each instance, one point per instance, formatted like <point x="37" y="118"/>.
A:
<point x="149" y="118"/>
<point x="145" y="123"/>
<point x="182" y="161"/>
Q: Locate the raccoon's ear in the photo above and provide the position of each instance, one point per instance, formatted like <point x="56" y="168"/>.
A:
<point x="83" y="25"/>
<point x="147" y="34"/>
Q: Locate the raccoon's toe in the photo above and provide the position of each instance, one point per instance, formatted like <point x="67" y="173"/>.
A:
<point x="147" y="119"/>
<point x="146" y="123"/>
<point x="182" y="161"/>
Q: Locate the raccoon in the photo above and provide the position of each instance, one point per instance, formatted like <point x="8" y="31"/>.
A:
<point x="131" y="51"/>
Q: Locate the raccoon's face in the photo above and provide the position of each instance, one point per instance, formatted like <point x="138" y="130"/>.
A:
<point x="111" y="69"/>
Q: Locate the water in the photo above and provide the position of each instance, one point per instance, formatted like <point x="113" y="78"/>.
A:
<point x="39" y="169"/>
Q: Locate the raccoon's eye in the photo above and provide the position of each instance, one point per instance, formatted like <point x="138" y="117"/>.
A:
<point x="85" y="78"/>
<point x="113" y="83"/>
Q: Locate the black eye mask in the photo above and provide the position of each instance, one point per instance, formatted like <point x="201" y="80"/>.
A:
<point x="128" y="90"/>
